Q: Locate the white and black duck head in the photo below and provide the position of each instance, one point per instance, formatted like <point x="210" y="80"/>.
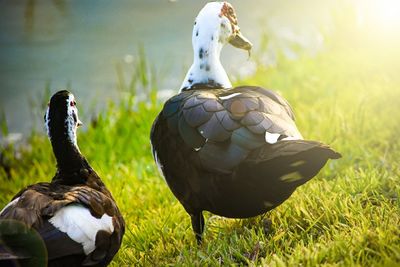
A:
<point x="61" y="118"/>
<point x="215" y="26"/>
<point x="61" y="121"/>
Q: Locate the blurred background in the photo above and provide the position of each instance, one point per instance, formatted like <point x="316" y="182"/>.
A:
<point x="93" y="47"/>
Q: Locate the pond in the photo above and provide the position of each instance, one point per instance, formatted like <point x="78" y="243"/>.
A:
<point x="78" y="44"/>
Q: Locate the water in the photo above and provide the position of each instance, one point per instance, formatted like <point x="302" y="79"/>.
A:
<point x="78" y="43"/>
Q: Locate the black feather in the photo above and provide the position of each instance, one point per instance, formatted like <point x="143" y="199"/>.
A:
<point x="219" y="160"/>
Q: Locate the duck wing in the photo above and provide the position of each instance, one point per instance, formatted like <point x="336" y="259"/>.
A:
<point x="224" y="126"/>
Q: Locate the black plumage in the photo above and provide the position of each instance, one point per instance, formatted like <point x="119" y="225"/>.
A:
<point x="211" y="147"/>
<point x="75" y="184"/>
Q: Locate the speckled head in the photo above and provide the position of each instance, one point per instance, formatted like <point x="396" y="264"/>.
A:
<point x="215" y="25"/>
<point x="220" y="18"/>
<point x="61" y="118"/>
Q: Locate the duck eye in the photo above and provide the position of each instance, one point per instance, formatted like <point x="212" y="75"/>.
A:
<point x="72" y="103"/>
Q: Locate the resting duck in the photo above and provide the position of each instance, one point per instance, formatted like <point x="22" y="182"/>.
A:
<point x="235" y="152"/>
<point x="74" y="215"/>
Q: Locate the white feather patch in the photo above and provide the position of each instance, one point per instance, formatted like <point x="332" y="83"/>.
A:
<point x="70" y="121"/>
<point x="9" y="205"/>
<point x="291" y="138"/>
<point x="229" y="96"/>
<point x="77" y="222"/>
<point x="159" y="165"/>
<point x="47" y="121"/>
<point x="271" y="138"/>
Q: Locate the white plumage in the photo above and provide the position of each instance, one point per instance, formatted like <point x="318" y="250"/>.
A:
<point x="229" y="96"/>
<point x="210" y="34"/>
<point x="77" y="222"/>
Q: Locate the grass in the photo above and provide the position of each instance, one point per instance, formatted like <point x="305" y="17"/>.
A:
<point x="349" y="215"/>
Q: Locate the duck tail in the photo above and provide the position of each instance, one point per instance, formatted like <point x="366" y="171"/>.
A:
<point x="287" y="148"/>
<point x="292" y="162"/>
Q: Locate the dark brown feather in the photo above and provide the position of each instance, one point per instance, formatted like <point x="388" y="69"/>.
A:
<point x="41" y="201"/>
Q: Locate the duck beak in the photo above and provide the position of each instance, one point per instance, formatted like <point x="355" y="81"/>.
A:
<point x="239" y="41"/>
<point x="79" y="123"/>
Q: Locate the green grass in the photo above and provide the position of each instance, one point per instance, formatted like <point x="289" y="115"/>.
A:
<point x="349" y="215"/>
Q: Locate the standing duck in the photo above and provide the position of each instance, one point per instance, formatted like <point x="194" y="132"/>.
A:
<point x="74" y="216"/>
<point x="235" y="152"/>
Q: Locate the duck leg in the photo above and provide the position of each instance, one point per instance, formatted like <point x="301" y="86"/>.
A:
<point x="198" y="225"/>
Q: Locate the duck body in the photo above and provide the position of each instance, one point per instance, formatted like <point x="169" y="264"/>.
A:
<point x="234" y="152"/>
<point x="74" y="217"/>
<point x="78" y="224"/>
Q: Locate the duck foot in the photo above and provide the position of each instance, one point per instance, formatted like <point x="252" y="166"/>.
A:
<point x="198" y="225"/>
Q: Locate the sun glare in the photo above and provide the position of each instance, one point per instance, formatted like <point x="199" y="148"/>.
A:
<point x="384" y="14"/>
<point x="388" y="11"/>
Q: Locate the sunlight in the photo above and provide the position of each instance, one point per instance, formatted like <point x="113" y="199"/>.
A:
<point x="384" y="14"/>
<point x="388" y="11"/>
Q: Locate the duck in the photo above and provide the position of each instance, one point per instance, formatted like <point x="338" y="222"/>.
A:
<point x="233" y="151"/>
<point x="73" y="218"/>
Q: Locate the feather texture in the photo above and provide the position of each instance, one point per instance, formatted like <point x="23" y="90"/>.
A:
<point x="234" y="152"/>
<point x="241" y="116"/>
<point x="70" y="217"/>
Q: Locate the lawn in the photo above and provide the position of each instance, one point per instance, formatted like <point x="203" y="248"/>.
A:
<point x="349" y="215"/>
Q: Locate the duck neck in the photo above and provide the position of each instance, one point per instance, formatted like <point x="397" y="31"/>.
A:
<point x="206" y="68"/>
<point x="69" y="158"/>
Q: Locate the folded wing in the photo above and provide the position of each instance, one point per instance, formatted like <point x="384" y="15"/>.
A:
<point x="224" y="126"/>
